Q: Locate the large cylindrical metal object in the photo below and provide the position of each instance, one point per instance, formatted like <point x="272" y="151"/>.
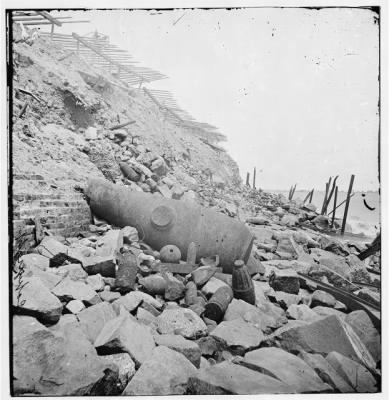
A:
<point x="162" y="221"/>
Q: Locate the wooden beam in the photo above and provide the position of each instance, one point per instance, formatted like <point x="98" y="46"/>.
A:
<point x="350" y="188"/>
<point x="104" y="56"/>
<point x="46" y="15"/>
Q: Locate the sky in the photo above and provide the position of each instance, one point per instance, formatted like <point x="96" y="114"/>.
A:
<point x="294" y="90"/>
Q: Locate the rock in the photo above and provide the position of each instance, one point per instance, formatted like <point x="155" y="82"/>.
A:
<point x="68" y="290"/>
<point x="286" y="244"/>
<point x="91" y="133"/>
<point x="286" y="280"/>
<point x="340" y="306"/>
<point x="175" y="289"/>
<point x="322" y="298"/>
<point x="111" y="243"/>
<point x="159" y="167"/>
<point x="125" y="276"/>
<point x="289" y="220"/>
<point x="209" y="346"/>
<point x="141" y="169"/>
<point x="211" y="286"/>
<point x="100" y="265"/>
<point x="237" y="336"/>
<point x="326" y="372"/>
<point x="204" y="363"/>
<point x="75" y="306"/>
<point x="188" y="348"/>
<point x="108" y="296"/>
<point x="55" y="251"/>
<point x="49" y="279"/>
<point x="327" y="311"/>
<point x="285" y="300"/>
<point x="332" y="262"/>
<point x="310" y="207"/>
<point x="96" y="282"/>
<point x="154" y="284"/>
<point x="266" y="317"/>
<point x="324" y="336"/>
<point x="32" y="297"/>
<point x="229" y="378"/>
<point x="353" y="373"/>
<point x="35" y="260"/>
<point x="333" y="245"/>
<point x="288" y="368"/>
<point x="321" y="222"/>
<point x="165" y="372"/>
<point x="165" y="191"/>
<point x="202" y="275"/>
<point x="93" y="319"/>
<point x="301" y="312"/>
<point x="178" y="191"/>
<point x="133" y="299"/>
<point x="72" y="271"/>
<point x="189" y="196"/>
<point x="54" y="364"/>
<point x="183" y="322"/>
<point x="123" y="362"/>
<point x="361" y="323"/>
<point x="125" y="334"/>
<point x="130" y="235"/>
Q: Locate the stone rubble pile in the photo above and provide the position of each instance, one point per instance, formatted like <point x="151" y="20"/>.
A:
<point x="104" y="314"/>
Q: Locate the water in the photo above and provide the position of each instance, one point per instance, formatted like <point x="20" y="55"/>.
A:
<point x="360" y="219"/>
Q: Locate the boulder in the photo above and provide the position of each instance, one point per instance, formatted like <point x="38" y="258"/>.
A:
<point x="124" y="364"/>
<point x="165" y="372"/>
<point x="165" y="191"/>
<point x="56" y="252"/>
<point x="209" y="346"/>
<point x="361" y="323"/>
<point x="181" y="321"/>
<point x="75" y="306"/>
<point x="96" y="282"/>
<point x="237" y="336"/>
<point x="288" y="368"/>
<point x="353" y="373"/>
<point x="159" y="167"/>
<point x="326" y="372"/>
<point x="110" y="244"/>
<point x="125" y="276"/>
<point x="125" y="334"/>
<point x="63" y="363"/>
<point x="104" y="265"/>
<point x="32" y="297"/>
<point x="285" y="280"/>
<point x="187" y="348"/>
<point x="285" y="300"/>
<point x="71" y="271"/>
<point x="333" y="245"/>
<point x="266" y="316"/>
<point x="324" y="336"/>
<point x="322" y="298"/>
<point x="130" y="235"/>
<point x="212" y="285"/>
<point x="93" y="319"/>
<point x="68" y="290"/>
<point x="202" y="275"/>
<point x="301" y="312"/>
<point x="229" y="378"/>
<point x="48" y="278"/>
<point x="35" y="260"/>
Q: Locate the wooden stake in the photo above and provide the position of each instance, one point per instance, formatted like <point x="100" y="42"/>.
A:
<point x="328" y="184"/>
<point x="350" y="188"/>
<point x="334" y="210"/>
<point x="254" y="177"/>
<point x="310" y="199"/>
<point x="330" y="195"/>
<point x="248" y="179"/>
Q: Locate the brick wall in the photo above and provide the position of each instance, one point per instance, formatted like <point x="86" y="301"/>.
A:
<point x="63" y="213"/>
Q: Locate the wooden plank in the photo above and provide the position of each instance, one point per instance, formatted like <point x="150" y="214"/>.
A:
<point x="104" y="56"/>
<point x="350" y="188"/>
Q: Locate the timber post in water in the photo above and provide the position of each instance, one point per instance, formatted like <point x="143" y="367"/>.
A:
<point x="350" y="188"/>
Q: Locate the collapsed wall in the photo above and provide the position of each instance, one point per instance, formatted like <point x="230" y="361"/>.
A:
<point x="57" y="99"/>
